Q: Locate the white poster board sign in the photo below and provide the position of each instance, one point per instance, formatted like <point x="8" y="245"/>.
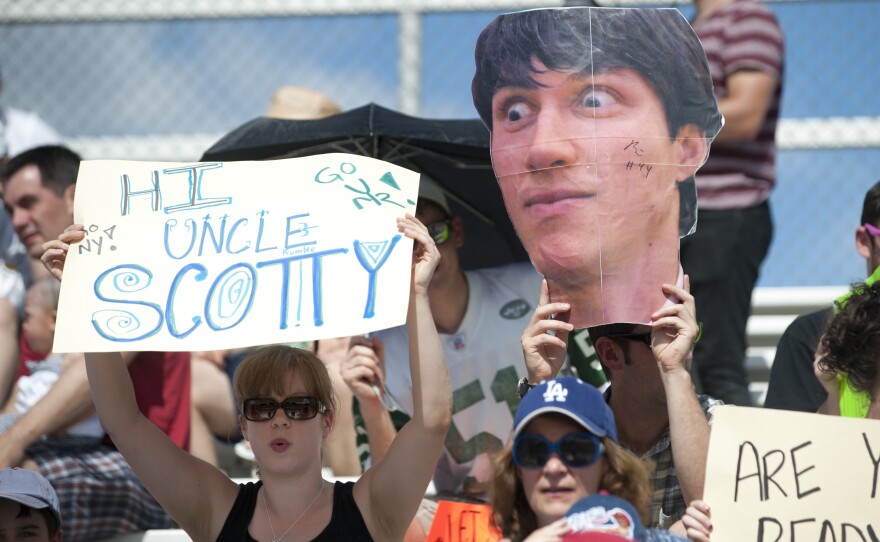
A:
<point x="219" y="255"/>
<point x="779" y="476"/>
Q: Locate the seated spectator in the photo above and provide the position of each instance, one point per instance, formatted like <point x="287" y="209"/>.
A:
<point x="38" y="329"/>
<point x="564" y="447"/>
<point x="38" y="189"/>
<point x="793" y="384"/>
<point x="29" y="507"/>
<point x="848" y="359"/>
<point x="288" y="445"/>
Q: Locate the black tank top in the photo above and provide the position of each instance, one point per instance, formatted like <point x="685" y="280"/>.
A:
<point x="346" y="523"/>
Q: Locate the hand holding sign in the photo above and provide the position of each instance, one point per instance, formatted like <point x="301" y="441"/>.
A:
<point x="55" y="251"/>
<point x="545" y="340"/>
<point x="675" y="330"/>
<point x="192" y="257"/>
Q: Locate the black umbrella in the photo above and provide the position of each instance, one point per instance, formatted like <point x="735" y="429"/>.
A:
<point x="455" y="153"/>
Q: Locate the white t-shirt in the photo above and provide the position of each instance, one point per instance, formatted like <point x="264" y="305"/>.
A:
<point x="485" y="361"/>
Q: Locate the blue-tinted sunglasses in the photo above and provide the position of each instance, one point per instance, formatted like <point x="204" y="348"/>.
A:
<point x="574" y="449"/>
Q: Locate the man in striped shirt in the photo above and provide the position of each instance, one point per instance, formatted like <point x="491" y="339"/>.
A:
<point x="744" y="46"/>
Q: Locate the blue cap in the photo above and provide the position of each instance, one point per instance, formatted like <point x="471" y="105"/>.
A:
<point x="603" y="518"/>
<point x="30" y="489"/>
<point x="571" y="397"/>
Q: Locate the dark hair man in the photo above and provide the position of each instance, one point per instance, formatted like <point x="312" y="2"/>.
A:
<point x="599" y="119"/>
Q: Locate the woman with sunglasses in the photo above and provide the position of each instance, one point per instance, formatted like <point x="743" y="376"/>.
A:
<point x="287" y="412"/>
<point x="563" y="448"/>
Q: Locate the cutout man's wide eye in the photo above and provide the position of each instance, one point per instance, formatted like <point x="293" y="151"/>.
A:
<point x="598" y="97"/>
<point x="516" y="112"/>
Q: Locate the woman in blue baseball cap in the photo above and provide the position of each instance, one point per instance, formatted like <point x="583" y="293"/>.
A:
<point x="563" y="448"/>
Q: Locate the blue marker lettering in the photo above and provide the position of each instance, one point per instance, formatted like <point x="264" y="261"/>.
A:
<point x="202" y="274"/>
<point x="115" y="325"/>
<point x="372" y="256"/>
<point x="231" y="294"/>
<point x="232" y="230"/>
<point x="316" y="281"/>
<point x="170" y="225"/>
<point x="260" y="232"/>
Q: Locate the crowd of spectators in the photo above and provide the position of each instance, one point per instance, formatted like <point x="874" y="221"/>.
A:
<point x="496" y="432"/>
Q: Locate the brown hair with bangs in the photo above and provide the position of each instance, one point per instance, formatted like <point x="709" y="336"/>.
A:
<point x="267" y="371"/>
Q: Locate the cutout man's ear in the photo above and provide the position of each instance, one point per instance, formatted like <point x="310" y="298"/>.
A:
<point x="693" y="148"/>
<point x="610" y="353"/>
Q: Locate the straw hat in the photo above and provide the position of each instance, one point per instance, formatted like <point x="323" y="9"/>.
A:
<point x="299" y="103"/>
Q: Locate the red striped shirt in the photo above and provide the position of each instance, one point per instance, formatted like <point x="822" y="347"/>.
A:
<point x="743" y="35"/>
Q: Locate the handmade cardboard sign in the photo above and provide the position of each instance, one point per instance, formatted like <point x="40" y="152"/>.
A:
<point x="599" y="118"/>
<point x="775" y="476"/>
<point x="217" y="255"/>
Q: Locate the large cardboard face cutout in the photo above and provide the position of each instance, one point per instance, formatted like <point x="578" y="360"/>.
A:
<point x="599" y="119"/>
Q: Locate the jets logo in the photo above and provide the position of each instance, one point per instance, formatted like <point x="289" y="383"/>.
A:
<point x="515" y="309"/>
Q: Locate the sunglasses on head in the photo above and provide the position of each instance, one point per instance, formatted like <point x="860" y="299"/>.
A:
<point x="574" y="449"/>
<point x="300" y="407"/>
<point x="440" y="231"/>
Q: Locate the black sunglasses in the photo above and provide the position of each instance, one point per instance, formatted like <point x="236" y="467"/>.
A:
<point x="641" y="337"/>
<point x="574" y="449"/>
<point x="300" y="407"/>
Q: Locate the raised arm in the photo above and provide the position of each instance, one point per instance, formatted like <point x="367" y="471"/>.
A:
<point x="389" y="493"/>
<point x="674" y="334"/>
<point x="545" y="339"/>
<point x="197" y="495"/>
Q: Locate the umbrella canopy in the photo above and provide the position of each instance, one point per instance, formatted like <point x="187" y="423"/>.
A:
<point x="455" y="153"/>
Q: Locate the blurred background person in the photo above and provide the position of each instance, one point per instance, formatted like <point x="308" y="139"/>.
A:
<point x="29" y="510"/>
<point x="793" y="384"/>
<point x="745" y="48"/>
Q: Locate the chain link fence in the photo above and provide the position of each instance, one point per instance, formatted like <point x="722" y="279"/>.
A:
<point x="163" y="79"/>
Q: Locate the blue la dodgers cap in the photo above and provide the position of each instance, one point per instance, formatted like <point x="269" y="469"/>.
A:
<point x="571" y="397"/>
